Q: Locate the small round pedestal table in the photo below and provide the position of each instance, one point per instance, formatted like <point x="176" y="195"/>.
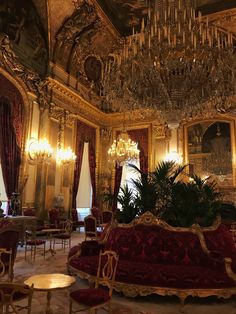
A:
<point x="49" y="282"/>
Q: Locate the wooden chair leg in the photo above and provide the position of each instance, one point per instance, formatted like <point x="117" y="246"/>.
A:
<point x="25" y="250"/>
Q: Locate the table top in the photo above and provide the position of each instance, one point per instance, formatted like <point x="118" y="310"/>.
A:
<point x="50" y="281"/>
<point x="51" y="230"/>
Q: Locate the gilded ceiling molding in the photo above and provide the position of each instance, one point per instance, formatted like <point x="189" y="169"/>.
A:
<point x="75" y="104"/>
<point x="70" y="100"/>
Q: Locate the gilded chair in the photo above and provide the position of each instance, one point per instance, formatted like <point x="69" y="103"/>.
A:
<point x="75" y="219"/>
<point x="107" y="216"/>
<point x="55" y="218"/>
<point x="11" y="294"/>
<point x="9" y="239"/>
<point x="91" y="299"/>
<point x="64" y="237"/>
<point x="34" y="242"/>
<point x="96" y="212"/>
<point x="29" y="211"/>
<point x="90" y="228"/>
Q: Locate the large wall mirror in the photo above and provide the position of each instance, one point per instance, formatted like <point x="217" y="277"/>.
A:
<point x="210" y="151"/>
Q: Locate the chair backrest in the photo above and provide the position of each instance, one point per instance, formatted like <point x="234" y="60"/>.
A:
<point x="96" y="212"/>
<point x="107" y="216"/>
<point x="9" y="238"/>
<point x="68" y="226"/>
<point x="74" y="215"/>
<point x="106" y="272"/>
<point x="54" y="215"/>
<point x="10" y="292"/>
<point x="28" y="211"/>
<point x="90" y="226"/>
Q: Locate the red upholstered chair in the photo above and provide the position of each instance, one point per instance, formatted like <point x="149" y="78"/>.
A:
<point x="90" y="228"/>
<point x="29" y="211"/>
<point x="96" y="212"/>
<point x="34" y="243"/>
<point x="75" y="219"/>
<point x="64" y="237"/>
<point x="9" y="238"/>
<point x="11" y="294"/>
<point x="55" y="218"/>
<point x="107" y="216"/>
<point x="98" y="297"/>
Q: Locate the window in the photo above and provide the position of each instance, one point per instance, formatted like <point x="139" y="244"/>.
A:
<point x="84" y="194"/>
<point x="3" y="195"/>
<point x="128" y="173"/>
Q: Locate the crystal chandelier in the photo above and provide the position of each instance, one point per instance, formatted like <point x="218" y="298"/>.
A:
<point x="176" y="60"/>
<point x="64" y="156"/>
<point x="39" y="151"/>
<point x="124" y="150"/>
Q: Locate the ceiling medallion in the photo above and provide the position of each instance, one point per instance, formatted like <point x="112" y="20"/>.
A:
<point x="177" y="61"/>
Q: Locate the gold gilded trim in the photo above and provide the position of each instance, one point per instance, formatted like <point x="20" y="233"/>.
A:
<point x="132" y="290"/>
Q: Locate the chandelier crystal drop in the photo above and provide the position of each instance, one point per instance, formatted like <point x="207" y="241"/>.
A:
<point x="123" y="150"/>
<point x="39" y="151"/>
<point x="177" y="59"/>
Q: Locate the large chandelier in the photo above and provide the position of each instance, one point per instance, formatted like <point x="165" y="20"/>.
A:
<point x="123" y="150"/>
<point x="39" y="151"/>
<point x="175" y="59"/>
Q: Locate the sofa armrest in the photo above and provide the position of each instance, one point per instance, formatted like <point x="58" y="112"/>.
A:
<point x="228" y="268"/>
<point x="91" y="248"/>
<point x="86" y="248"/>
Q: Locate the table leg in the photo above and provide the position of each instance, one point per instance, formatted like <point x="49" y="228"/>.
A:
<point x="48" y="302"/>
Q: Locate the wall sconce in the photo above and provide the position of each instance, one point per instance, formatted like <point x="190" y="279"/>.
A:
<point x="174" y="156"/>
<point x="64" y="156"/>
<point x="39" y="151"/>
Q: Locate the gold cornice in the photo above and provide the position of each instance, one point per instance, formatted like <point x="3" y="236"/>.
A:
<point x="75" y="104"/>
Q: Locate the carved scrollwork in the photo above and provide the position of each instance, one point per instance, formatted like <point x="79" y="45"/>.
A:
<point x="80" y="23"/>
<point x="32" y="80"/>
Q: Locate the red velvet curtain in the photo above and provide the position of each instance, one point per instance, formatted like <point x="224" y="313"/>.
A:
<point x="10" y="152"/>
<point x="118" y="175"/>
<point x="85" y="134"/>
<point x="141" y="137"/>
<point x="11" y="122"/>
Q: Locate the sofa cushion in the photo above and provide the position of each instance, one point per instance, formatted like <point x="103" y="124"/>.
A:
<point x="159" y="275"/>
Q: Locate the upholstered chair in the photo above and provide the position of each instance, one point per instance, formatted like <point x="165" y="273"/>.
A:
<point x="90" y="228"/>
<point x="9" y="239"/>
<point x="64" y="237"/>
<point x="90" y="299"/>
<point x="107" y="216"/>
<point x="11" y="294"/>
<point x="75" y="219"/>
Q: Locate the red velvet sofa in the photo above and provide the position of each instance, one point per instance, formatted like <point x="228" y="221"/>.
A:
<point x="157" y="258"/>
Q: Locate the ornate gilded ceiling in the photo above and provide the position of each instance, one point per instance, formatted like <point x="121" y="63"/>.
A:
<point x="81" y="34"/>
